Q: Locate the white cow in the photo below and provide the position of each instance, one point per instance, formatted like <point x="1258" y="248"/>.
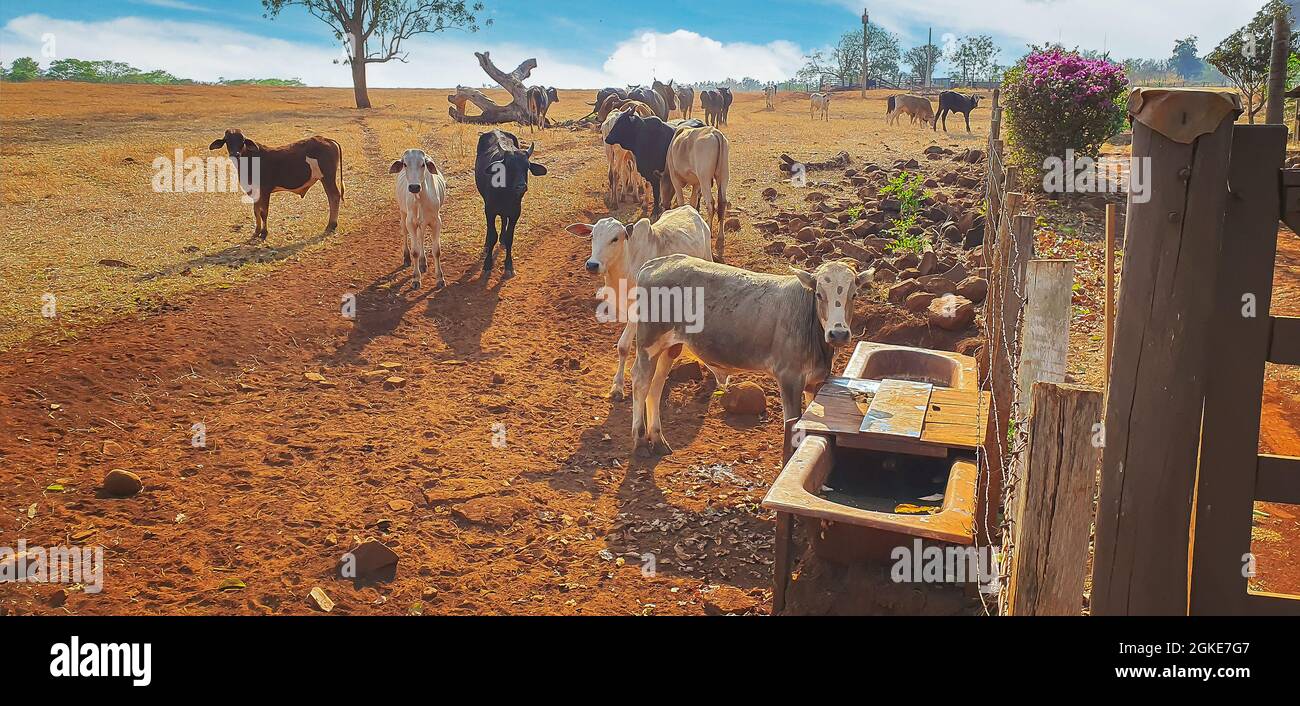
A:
<point x="421" y="193"/>
<point x="624" y="181"/>
<point x="820" y="102"/>
<point x="618" y="252"/>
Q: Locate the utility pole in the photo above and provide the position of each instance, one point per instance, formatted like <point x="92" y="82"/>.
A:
<point x="865" y="21"/>
<point x="929" y="58"/>
<point x="1277" y="70"/>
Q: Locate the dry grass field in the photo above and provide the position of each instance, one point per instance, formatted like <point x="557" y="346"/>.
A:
<point x="168" y="316"/>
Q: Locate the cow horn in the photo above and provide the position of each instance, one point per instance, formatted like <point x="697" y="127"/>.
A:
<point x="529" y="153"/>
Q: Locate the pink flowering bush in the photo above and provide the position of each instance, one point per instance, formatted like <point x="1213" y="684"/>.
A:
<point x="1057" y="100"/>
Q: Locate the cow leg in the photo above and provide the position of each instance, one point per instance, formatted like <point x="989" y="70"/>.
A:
<point x="508" y="242"/>
<point x="439" y="282"/>
<point x="654" y="423"/>
<point x="624" y="343"/>
<point x="332" y="194"/>
<point x="406" y="241"/>
<point x="642" y="371"/>
<point x="965" y="115"/>
<point x="656" y="187"/>
<point x="490" y="243"/>
<point x="261" y="210"/>
<point x="416" y="235"/>
<point x="791" y="397"/>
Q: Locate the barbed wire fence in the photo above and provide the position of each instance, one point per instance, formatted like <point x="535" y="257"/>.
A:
<point x="1007" y="248"/>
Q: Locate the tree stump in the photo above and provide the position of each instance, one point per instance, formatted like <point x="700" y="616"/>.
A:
<point x="491" y="112"/>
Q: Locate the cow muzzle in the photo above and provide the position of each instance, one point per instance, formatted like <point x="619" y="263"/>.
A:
<point x="593" y="267"/>
<point x="838" y="336"/>
<point x="413" y="188"/>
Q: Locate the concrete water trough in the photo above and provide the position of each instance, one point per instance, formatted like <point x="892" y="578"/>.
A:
<point x="885" y="456"/>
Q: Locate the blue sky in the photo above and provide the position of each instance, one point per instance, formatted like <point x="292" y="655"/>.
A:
<point x="583" y="43"/>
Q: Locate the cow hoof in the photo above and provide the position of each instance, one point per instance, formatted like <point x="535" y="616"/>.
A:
<point x="415" y="285"/>
<point x="616" y="394"/>
<point x="424" y="265"/>
<point x="440" y="283"/>
<point x="406" y="259"/>
<point x="510" y="272"/>
<point x="329" y="229"/>
<point x="661" y="448"/>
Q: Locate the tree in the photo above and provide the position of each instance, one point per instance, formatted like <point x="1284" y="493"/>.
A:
<point x="1243" y="57"/>
<point x="1186" y="62"/>
<point x="974" y="56"/>
<point x="387" y="22"/>
<point x="24" y="69"/>
<point x="922" y="61"/>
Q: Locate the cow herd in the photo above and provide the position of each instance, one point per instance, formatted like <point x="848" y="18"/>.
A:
<point x="785" y="326"/>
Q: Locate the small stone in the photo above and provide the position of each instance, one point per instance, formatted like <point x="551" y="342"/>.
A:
<point x="951" y="312"/>
<point x="744" y="398"/>
<point x="321" y="600"/>
<point x="400" y="505"/>
<point x="973" y="288"/>
<point x="366" y="558"/>
<point x="122" y="484"/>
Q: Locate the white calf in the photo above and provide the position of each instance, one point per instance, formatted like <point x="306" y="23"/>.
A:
<point x="618" y="252"/>
<point x="820" y="102"/>
<point x="421" y="192"/>
<point x="624" y="181"/>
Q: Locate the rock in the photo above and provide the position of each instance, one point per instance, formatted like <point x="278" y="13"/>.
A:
<point x="122" y="484"/>
<point x="951" y="312"/>
<point x="775" y="247"/>
<point x="728" y="600"/>
<point x="976" y="256"/>
<point x="491" y="510"/>
<point x="933" y="149"/>
<point x="769" y="193"/>
<point x="865" y="228"/>
<point x="937" y="284"/>
<point x="686" y="370"/>
<point x="320" y="599"/>
<point x="918" y="301"/>
<point x="909" y="273"/>
<point x="900" y="291"/>
<point x="974" y="156"/>
<point x="400" y="505"/>
<point x="767" y="226"/>
<point x="928" y="262"/>
<point x="857" y="252"/>
<point x="905" y="261"/>
<point x="366" y="558"/>
<point x="732" y="225"/>
<point x="890" y="204"/>
<point x="967" y="182"/>
<point x="951" y="232"/>
<point x="744" y="398"/>
<point x="886" y="276"/>
<point x="973" y="288"/>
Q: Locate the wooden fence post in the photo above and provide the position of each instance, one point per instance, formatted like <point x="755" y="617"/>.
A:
<point x="1112" y="226"/>
<point x="1045" y="336"/>
<point x="1053" y="505"/>
<point x="1273" y="113"/>
<point x="995" y="122"/>
<point x="1157" y="386"/>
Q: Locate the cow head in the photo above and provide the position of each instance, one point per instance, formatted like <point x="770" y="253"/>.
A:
<point x="666" y="91"/>
<point x="834" y="285"/>
<point x="553" y="94"/>
<point x="625" y="130"/>
<point x="236" y="144"/>
<point x="412" y="164"/>
<point x="974" y="101"/>
<point x="510" y="172"/>
<point x="608" y="238"/>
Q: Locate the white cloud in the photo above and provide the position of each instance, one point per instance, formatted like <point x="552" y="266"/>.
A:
<point x="206" y="52"/>
<point x="1128" y="28"/>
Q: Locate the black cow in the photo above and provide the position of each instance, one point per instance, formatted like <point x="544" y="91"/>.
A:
<point x="953" y="102"/>
<point x="726" y="103"/>
<point x="540" y="100"/>
<point x="648" y="140"/>
<point x="501" y="172"/>
<point x="712" y="102"/>
<point x="650" y="97"/>
<point x="294" y="167"/>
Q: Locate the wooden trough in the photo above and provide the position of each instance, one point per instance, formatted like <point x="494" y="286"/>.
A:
<point x="886" y="455"/>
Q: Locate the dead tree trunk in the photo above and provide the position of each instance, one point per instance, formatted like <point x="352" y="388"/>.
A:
<point x="493" y="113"/>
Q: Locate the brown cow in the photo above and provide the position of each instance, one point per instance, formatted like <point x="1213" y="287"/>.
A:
<point x="613" y="103"/>
<point x="294" y="167"/>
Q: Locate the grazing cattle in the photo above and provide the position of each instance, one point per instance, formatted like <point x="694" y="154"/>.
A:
<point x="650" y="97"/>
<point x="726" y="104"/>
<point x="700" y="157"/>
<point x="501" y="172"/>
<point x="624" y="182"/>
<point x="613" y="103"/>
<point x="819" y="102"/>
<point x="540" y="99"/>
<point x="918" y="107"/>
<point x="953" y="102"/>
<point x="648" y="140"/>
<point x="785" y="326"/>
<point x="619" y="251"/>
<point x="421" y="193"/>
<point x="769" y="97"/>
<point x="686" y="100"/>
<point x="668" y="93"/>
<point x="604" y="93"/>
<point x="294" y="167"/>
<point x="711" y="100"/>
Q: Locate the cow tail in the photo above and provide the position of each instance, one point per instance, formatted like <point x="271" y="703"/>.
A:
<point x="724" y="171"/>
<point x="339" y="147"/>
<point x="889" y="106"/>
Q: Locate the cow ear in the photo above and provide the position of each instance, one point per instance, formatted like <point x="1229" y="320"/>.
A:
<point x="217" y="144"/>
<point x="629" y="229"/>
<point x="536" y="169"/>
<point x="865" y="278"/>
<point x="250" y="146"/>
<point x="433" y="168"/>
<point x="805" y="277"/>
<point x="582" y="230"/>
<point x="395" y="167"/>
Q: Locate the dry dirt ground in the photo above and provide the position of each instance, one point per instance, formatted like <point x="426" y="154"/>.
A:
<point x="189" y="323"/>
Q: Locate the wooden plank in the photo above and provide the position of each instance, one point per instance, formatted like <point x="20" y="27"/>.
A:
<point x="1235" y="383"/>
<point x="898" y="409"/>
<point x="1277" y="479"/>
<point x="1112" y="230"/>
<point x="1157" y="386"/>
<point x="781" y="564"/>
<point x="1053" y="512"/>
<point x="1278" y="604"/>
<point x="1284" y="344"/>
<point x="1045" y="338"/>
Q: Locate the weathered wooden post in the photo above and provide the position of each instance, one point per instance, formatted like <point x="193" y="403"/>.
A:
<point x="1053" y="506"/>
<point x="866" y="21"/>
<point x="1112" y="227"/>
<point x="1182" y="139"/>
<point x="1274" y="113"/>
<point x="1045" y="334"/>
